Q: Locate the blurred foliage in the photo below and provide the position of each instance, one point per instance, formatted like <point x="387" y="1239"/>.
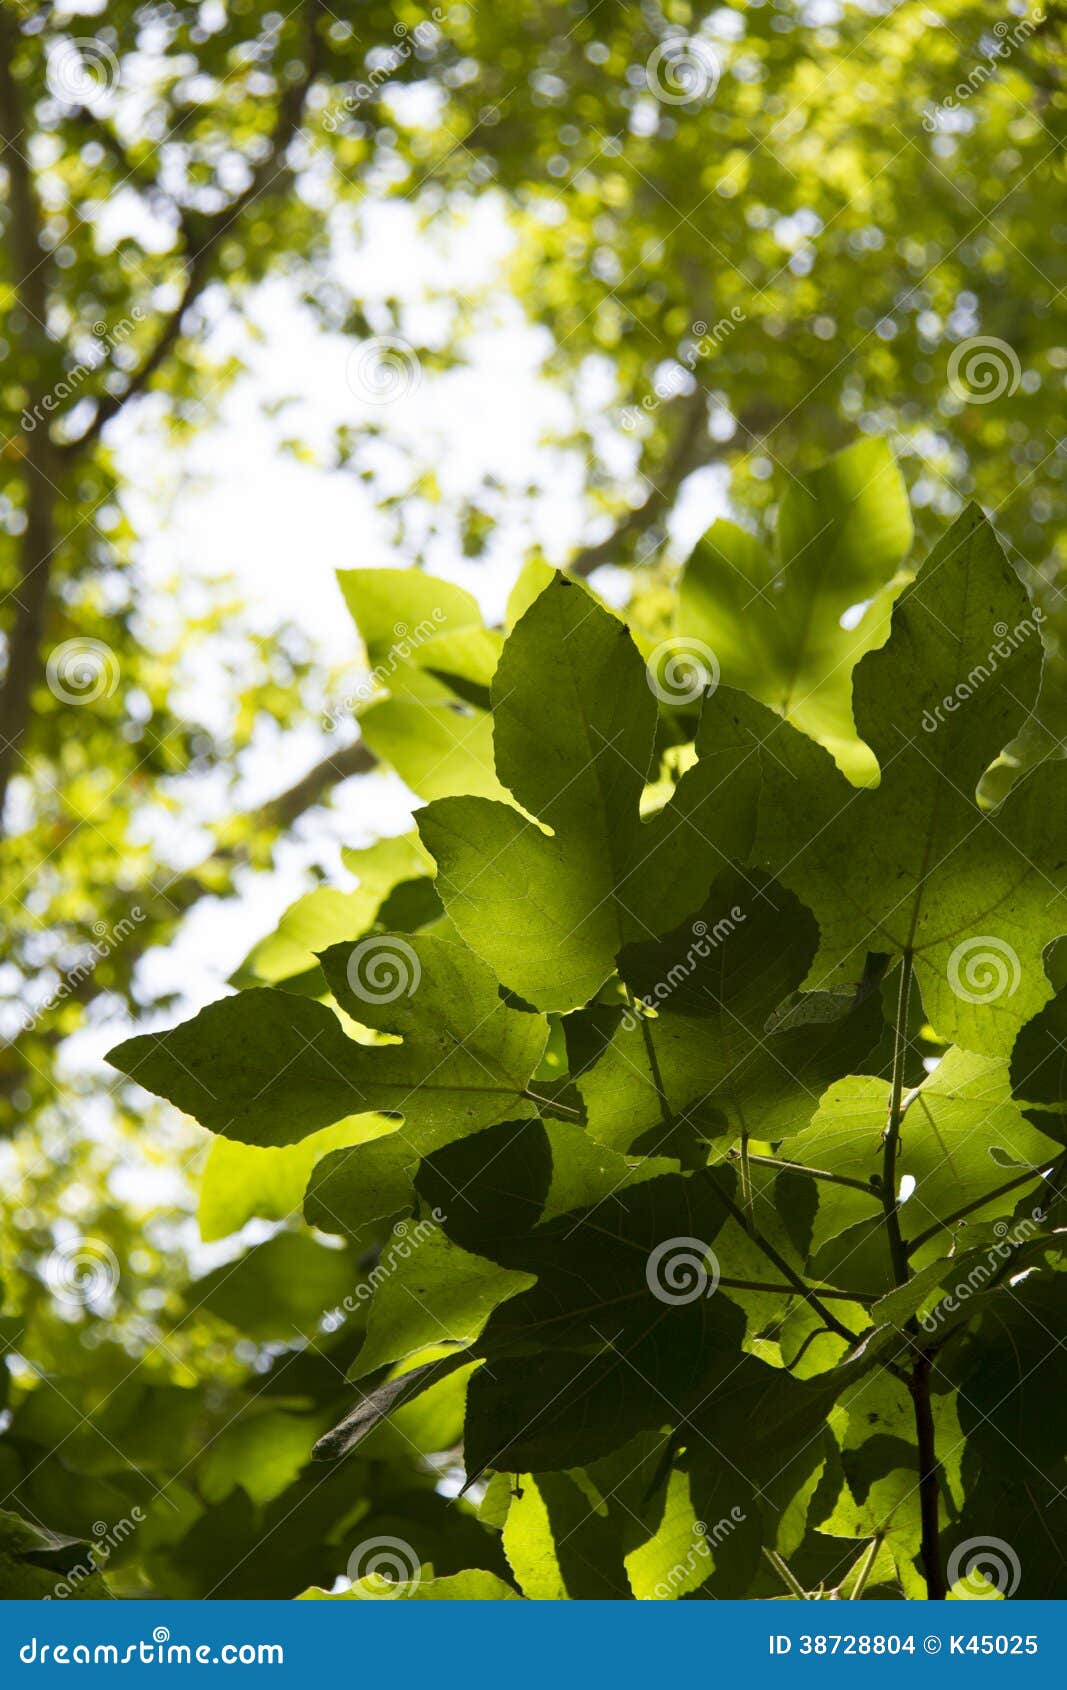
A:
<point x="742" y="279"/>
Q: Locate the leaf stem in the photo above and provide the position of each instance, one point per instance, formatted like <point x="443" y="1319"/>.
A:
<point x="919" y="1380"/>
<point x="813" y="1173"/>
<point x="891" y="1138"/>
<point x="866" y="1567"/>
<point x="746" y="1182"/>
<point x="781" y="1568"/>
<point x="772" y="1255"/>
<point x="550" y="1104"/>
<point x="791" y="1290"/>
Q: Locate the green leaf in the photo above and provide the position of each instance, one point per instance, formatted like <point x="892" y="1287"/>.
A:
<point x="670" y="1550"/>
<point x="426" y="1287"/>
<point x="241" y="1182"/>
<point x="1009" y="1371"/>
<point x="560" y="1543"/>
<point x="397" y="612"/>
<point x="775" y="623"/>
<point x="706" y="1062"/>
<point x="428" y="649"/>
<point x="918" y="865"/>
<point x="261" y="1451"/>
<point x="962" y="1138"/>
<point x="550" y="903"/>
<point x="770" y="1429"/>
<point x="494" y="1192"/>
<point x="345" y="1191"/>
<point x="269" y="1068"/>
<point x="472" y="1586"/>
<point x="593" y="1353"/>
<point x="325" y="916"/>
<point x="279" y="1289"/>
<point x="888" y="1512"/>
<point x="437" y="749"/>
<point x="464" y="661"/>
<point x="374" y="1407"/>
<point x="39" y="1564"/>
<point x="432" y="1292"/>
<point x="609" y="1340"/>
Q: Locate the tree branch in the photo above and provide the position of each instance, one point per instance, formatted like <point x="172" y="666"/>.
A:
<point x="202" y="239"/>
<point x="929" y="1489"/>
<point x="693" y="449"/>
<point x="918" y="1381"/>
<point x="683" y="458"/>
<point x="187" y="889"/>
<point x="32" y="271"/>
<point x="813" y="1173"/>
<point x="276" y="815"/>
<point x="44" y="457"/>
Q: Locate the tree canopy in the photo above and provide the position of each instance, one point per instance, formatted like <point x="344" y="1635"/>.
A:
<point x="734" y="890"/>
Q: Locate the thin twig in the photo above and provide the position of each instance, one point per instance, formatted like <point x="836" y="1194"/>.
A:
<point x="891" y="1141"/>
<point x="919" y="1380"/>
<point x="813" y="1173"/>
<point x="1051" y="1170"/>
<point x="782" y="1569"/>
<point x="790" y="1290"/>
<point x="799" y="1285"/>
<point x="866" y="1567"/>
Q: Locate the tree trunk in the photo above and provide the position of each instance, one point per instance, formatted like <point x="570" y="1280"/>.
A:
<point x="28" y="594"/>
